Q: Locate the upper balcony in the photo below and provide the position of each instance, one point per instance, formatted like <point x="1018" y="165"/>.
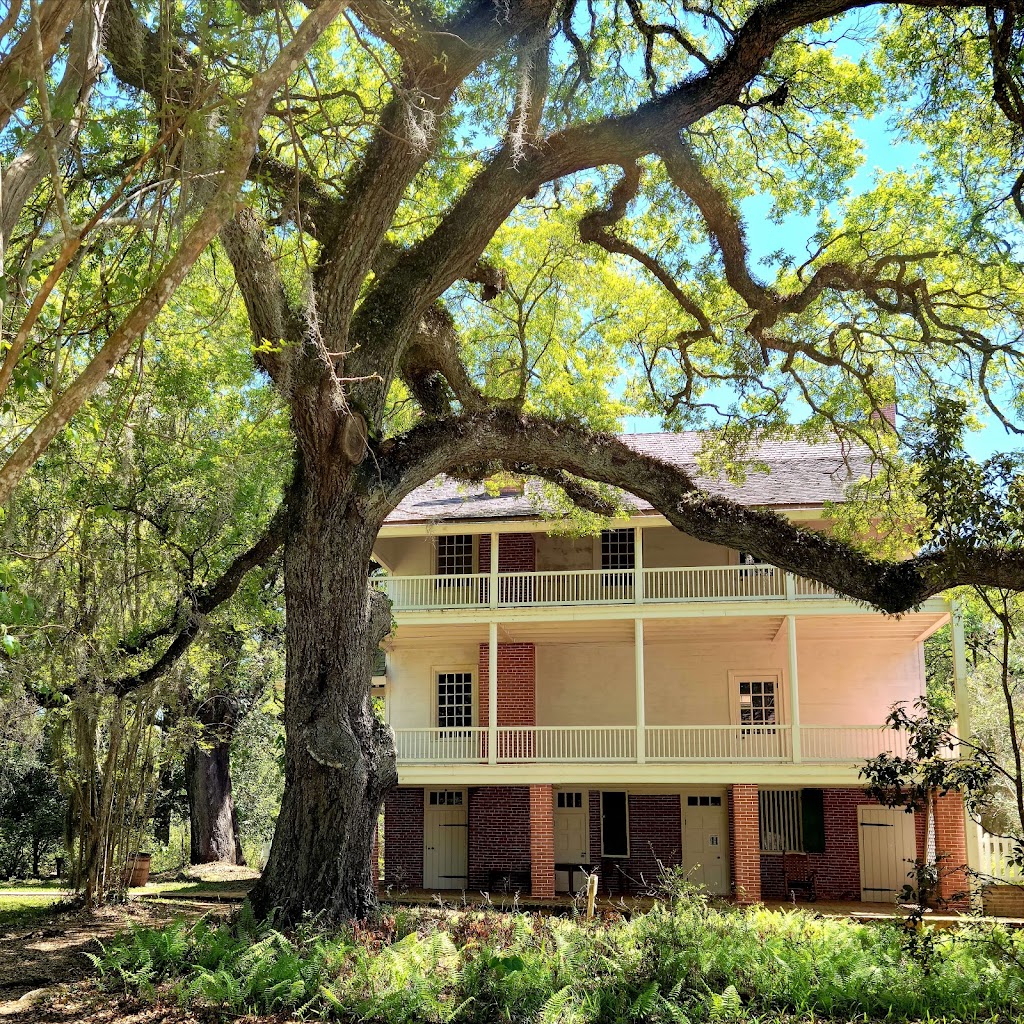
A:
<point x="718" y="583"/>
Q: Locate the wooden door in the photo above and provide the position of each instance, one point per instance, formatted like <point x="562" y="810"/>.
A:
<point x="572" y="833"/>
<point x="445" y="840"/>
<point x="888" y="845"/>
<point x="706" y="840"/>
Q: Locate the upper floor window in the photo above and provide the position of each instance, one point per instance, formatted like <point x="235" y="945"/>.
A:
<point x="454" y="700"/>
<point x="455" y="555"/>
<point x="757" y="701"/>
<point x="618" y="549"/>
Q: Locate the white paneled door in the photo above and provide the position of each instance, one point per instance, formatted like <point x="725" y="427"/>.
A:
<point x="445" y="839"/>
<point x="572" y="834"/>
<point x="706" y="840"/>
<point x="888" y="845"/>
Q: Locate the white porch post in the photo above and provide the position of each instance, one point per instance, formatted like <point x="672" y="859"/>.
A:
<point x="794" y="689"/>
<point x="492" y="581"/>
<point x="963" y="724"/>
<point x="638" y="565"/>
<point x="641" y="714"/>
<point x="492" y="689"/>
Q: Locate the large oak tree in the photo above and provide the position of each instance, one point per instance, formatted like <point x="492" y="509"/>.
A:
<point x="452" y="224"/>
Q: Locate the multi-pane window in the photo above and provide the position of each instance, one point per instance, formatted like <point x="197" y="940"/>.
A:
<point x="618" y="549"/>
<point x="703" y="801"/>
<point x="455" y="555"/>
<point x="446" y="798"/>
<point x="566" y="800"/>
<point x="757" y="702"/>
<point x="454" y="700"/>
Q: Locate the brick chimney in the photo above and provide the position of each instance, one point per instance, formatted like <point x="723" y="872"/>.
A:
<point x="887" y="413"/>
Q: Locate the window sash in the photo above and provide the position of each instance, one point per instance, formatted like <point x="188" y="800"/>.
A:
<point x="454" y="696"/>
<point x="455" y="555"/>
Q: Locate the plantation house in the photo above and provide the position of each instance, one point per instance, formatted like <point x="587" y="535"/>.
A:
<point x="639" y="697"/>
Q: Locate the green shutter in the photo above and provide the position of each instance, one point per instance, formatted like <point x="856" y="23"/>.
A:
<point x="813" y="803"/>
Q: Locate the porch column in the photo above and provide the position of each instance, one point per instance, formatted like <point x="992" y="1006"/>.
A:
<point x="638" y="565"/>
<point x="492" y="580"/>
<point x="794" y="690"/>
<point x="641" y="713"/>
<point x="745" y="843"/>
<point x="951" y="850"/>
<point x="963" y="719"/>
<point x="542" y="842"/>
<point x="492" y="684"/>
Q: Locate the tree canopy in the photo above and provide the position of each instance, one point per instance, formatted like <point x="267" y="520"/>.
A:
<point x="379" y="240"/>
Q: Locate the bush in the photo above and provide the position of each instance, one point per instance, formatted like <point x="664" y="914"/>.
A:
<point x="684" y="962"/>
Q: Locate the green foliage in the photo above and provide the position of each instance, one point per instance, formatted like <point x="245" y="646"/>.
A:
<point x="687" y="962"/>
<point x="31" y="822"/>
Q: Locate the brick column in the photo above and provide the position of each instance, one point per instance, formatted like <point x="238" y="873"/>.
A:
<point x="745" y="843"/>
<point x="542" y="842"/>
<point x="375" y="858"/>
<point x="951" y="850"/>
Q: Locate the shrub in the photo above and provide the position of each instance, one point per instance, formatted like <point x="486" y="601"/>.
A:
<point x="680" y="962"/>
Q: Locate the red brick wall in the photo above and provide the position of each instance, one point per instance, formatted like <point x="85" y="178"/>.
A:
<point x="517" y="552"/>
<point x="951" y="841"/>
<point x="655" y="833"/>
<point x="403" y="838"/>
<point x="499" y="831"/>
<point x="838" y="868"/>
<point x="745" y="843"/>
<point x="517" y="686"/>
<point x="542" y="842"/>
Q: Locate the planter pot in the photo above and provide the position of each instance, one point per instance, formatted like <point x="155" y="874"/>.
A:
<point x="137" y="869"/>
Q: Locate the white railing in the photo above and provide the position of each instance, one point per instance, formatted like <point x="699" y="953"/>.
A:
<point x="585" y="586"/>
<point x="714" y="582"/>
<point x="441" y="746"/>
<point x="567" y="743"/>
<point x="423" y="593"/>
<point x="598" y="744"/>
<point x="599" y="586"/>
<point x="811" y="588"/>
<point x="718" y="743"/>
<point x="996" y="858"/>
<point x="828" y="743"/>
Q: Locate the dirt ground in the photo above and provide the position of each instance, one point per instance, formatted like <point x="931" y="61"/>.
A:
<point x="45" y="975"/>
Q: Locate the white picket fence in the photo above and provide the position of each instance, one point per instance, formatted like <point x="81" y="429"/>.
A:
<point x="996" y="856"/>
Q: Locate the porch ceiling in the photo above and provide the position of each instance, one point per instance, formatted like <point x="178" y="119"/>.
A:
<point x="693" y="630"/>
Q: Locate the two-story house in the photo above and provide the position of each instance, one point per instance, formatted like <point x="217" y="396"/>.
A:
<point x="637" y="698"/>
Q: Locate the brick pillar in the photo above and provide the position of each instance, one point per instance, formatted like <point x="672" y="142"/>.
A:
<point x="517" y="694"/>
<point x="375" y="858"/>
<point x="745" y="843"/>
<point x="542" y="842"/>
<point x="951" y="850"/>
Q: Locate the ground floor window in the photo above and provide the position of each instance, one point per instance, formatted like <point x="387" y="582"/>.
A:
<point x="614" y="825"/>
<point x="792" y="820"/>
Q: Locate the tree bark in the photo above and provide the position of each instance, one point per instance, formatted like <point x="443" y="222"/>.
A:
<point x="340" y="760"/>
<point x="214" y="823"/>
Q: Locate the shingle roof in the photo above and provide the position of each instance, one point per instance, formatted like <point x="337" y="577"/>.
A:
<point x="800" y="475"/>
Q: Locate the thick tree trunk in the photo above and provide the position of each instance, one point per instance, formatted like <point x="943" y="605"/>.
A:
<point x="214" y="831"/>
<point x="340" y="761"/>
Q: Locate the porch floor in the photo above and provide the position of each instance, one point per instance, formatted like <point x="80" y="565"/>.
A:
<point x="853" y="909"/>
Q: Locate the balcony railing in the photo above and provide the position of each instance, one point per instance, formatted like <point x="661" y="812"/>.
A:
<point x="601" y="744"/>
<point x="598" y="587"/>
